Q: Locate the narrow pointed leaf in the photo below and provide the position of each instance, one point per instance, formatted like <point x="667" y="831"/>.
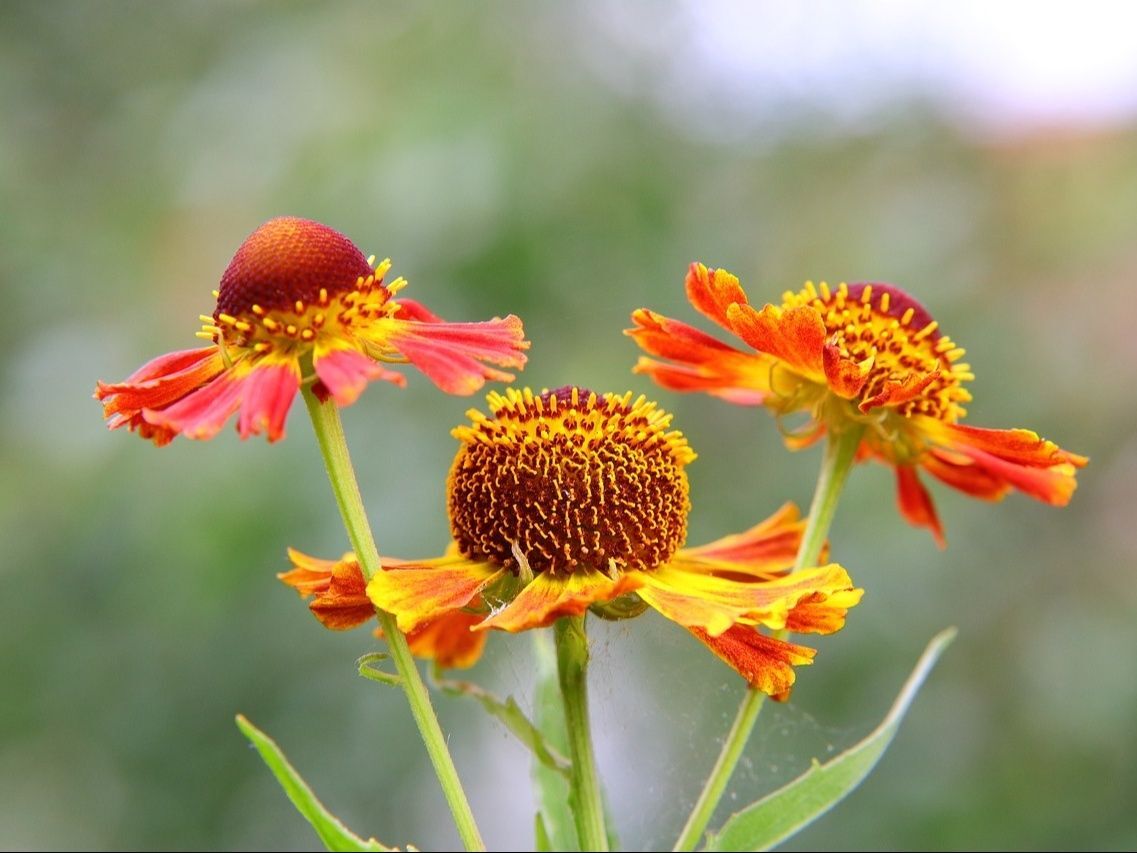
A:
<point x="332" y="832"/>
<point x="781" y="814"/>
<point x="551" y="787"/>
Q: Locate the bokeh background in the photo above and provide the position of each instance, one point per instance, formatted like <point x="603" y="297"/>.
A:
<point x="564" y="163"/>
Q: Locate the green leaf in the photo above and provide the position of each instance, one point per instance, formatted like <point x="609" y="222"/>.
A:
<point x="779" y="815"/>
<point x="543" y="843"/>
<point x="510" y="713"/>
<point x="332" y="832"/>
<point x="552" y="788"/>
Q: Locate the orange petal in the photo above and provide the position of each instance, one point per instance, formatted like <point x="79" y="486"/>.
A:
<point x="673" y="339"/>
<point x="766" y="663"/>
<point x="448" y="640"/>
<point x="795" y="336"/>
<point x="712" y="292"/>
<point x="893" y="393"/>
<point x="682" y="378"/>
<point x="916" y="504"/>
<point x="345" y="372"/>
<point x="819" y="613"/>
<point x="547" y="598"/>
<point x="340" y="599"/>
<point x="846" y="377"/>
<point x="695" y="599"/>
<point x="157" y="384"/>
<point x="704" y="364"/>
<point x="268" y="394"/>
<point x="452" y="355"/>
<point x="419" y="592"/>
<point x="767" y="548"/>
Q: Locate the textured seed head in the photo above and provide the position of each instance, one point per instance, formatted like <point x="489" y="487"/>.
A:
<point x="567" y="480"/>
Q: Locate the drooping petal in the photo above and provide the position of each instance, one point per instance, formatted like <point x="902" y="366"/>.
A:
<point x="766" y="663"/>
<point x="673" y="339"/>
<point x="1021" y="446"/>
<point x="448" y="640"/>
<point x="795" y="336"/>
<point x="340" y="600"/>
<point x="412" y="309"/>
<point x="712" y="292"/>
<point x="453" y="355"/>
<point x="344" y="372"/>
<point x="156" y="384"/>
<point x="202" y="413"/>
<point x="548" y="598"/>
<point x="420" y="592"/>
<point x="1017" y="457"/>
<point x="695" y="599"/>
<point x="766" y="549"/>
<point x="916" y="504"/>
<point x="961" y="472"/>
<point x="684" y="378"/>
<point x="269" y="390"/>
<point x="703" y="363"/>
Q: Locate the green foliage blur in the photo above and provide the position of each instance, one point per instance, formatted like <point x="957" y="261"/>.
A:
<point x="514" y="158"/>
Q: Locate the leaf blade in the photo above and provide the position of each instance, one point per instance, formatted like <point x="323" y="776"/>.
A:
<point x="782" y="813"/>
<point x="334" y="835"/>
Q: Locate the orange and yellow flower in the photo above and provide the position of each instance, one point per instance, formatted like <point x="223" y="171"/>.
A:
<point x="299" y="302"/>
<point x="861" y="352"/>
<point x="567" y="500"/>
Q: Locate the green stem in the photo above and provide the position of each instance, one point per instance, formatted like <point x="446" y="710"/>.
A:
<point x="584" y="793"/>
<point x="840" y="450"/>
<point x="333" y="446"/>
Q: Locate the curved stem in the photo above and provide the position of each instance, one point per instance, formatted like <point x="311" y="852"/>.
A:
<point x="333" y="446"/>
<point x="584" y="793"/>
<point x="840" y="450"/>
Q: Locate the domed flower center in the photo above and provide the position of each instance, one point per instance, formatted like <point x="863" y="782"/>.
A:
<point x="291" y="279"/>
<point x="567" y="480"/>
<point x="884" y="323"/>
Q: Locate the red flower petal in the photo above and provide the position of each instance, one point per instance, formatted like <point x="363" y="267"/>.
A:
<point x="451" y="354"/>
<point x="960" y="472"/>
<point x="345" y="372"/>
<point x="201" y="414"/>
<point x="157" y="383"/>
<point x="916" y="504"/>
<point x="269" y="391"/>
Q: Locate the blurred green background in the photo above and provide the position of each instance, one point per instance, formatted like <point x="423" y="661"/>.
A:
<point x="564" y="164"/>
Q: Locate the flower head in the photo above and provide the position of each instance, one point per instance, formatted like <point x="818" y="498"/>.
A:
<point x="568" y="500"/>
<point x="863" y="352"/>
<point x="300" y="302"/>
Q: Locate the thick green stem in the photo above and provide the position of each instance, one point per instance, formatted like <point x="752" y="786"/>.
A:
<point x="584" y="796"/>
<point x="333" y="446"/>
<point x="840" y="451"/>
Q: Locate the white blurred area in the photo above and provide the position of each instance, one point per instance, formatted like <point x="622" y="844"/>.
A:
<point x="998" y="68"/>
